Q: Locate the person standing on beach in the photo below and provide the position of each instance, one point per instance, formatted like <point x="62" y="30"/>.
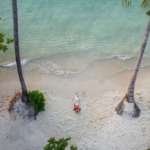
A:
<point x="76" y="104"/>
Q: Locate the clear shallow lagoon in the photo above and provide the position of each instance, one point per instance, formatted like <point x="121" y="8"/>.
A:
<point x="66" y="37"/>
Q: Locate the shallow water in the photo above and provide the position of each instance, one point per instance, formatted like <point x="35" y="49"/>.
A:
<point x="66" y="37"/>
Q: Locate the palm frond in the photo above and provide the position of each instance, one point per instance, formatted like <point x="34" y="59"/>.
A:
<point x="148" y="13"/>
<point x="126" y="3"/>
<point x="146" y="4"/>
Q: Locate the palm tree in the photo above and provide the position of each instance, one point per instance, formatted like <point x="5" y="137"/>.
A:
<point x="17" y="53"/>
<point x="129" y="97"/>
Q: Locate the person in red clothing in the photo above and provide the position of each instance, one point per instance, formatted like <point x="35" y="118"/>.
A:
<point x="76" y="104"/>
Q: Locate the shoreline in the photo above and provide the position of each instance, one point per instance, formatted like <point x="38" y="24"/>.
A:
<point x="119" y="81"/>
<point x="72" y="64"/>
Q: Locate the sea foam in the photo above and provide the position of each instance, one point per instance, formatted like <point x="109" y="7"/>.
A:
<point x="13" y="63"/>
<point x="120" y="57"/>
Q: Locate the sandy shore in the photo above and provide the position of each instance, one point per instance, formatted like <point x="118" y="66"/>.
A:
<point x="96" y="127"/>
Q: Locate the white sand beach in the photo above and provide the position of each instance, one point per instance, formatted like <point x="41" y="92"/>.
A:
<point x="96" y="127"/>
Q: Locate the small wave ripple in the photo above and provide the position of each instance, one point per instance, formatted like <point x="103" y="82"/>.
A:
<point x="120" y="57"/>
<point x="13" y="63"/>
<point x="68" y="69"/>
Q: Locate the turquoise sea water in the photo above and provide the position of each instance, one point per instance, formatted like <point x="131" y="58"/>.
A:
<point x="60" y="35"/>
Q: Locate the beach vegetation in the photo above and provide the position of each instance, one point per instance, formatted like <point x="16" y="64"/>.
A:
<point x="4" y="47"/>
<point x="129" y="96"/>
<point x="37" y="100"/>
<point x="61" y="144"/>
<point x="17" y="52"/>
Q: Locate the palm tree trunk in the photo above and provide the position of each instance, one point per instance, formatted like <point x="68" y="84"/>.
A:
<point x="130" y="93"/>
<point x="17" y="53"/>
<point x="129" y="97"/>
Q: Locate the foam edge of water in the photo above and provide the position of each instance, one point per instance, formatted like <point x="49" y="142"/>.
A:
<point x="13" y="63"/>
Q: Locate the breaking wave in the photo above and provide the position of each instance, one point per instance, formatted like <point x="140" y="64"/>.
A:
<point x="120" y="57"/>
<point x="47" y="66"/>
<point x="50" y="68"/>
<point x="13" y="63"/>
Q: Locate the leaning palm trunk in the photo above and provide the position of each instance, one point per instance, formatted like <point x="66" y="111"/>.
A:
<point x="129" y="97"/>
<point x="17" y="53"/>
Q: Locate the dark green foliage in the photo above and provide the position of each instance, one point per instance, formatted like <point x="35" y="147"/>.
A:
<point x="148" y="149"/>
<point x="61" y="144"/>
<point x="37" y="100"/>
<point x="73" y="148"/>
<point x="2" y="46"/>
<point x="9" y="40"/>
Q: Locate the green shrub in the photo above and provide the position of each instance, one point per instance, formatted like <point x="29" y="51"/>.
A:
<point x="2" y="45"/>
<point x="37" y="100"/>
<point x="61" y="144"/>
<point x="148" y="149"/>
